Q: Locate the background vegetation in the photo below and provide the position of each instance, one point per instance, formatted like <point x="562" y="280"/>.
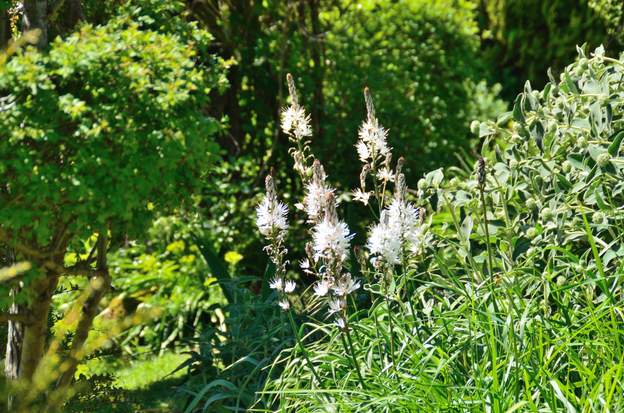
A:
<point x="135" y="136"/>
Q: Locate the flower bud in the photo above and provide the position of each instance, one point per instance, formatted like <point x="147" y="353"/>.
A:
<point x="598" y="218"/>
<point x="475" y="125"/>
<point x="566" y="166"/>
<point x="481" y="172"/>
<point x="582" y="142"/>
<point x="422" y="184"/>
<point x="603" y="159"/>
<point x="547" y="214"/>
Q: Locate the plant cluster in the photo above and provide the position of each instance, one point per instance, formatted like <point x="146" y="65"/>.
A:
<point x="506" y="295"/>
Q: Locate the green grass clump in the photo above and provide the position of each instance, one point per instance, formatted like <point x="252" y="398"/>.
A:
<point x="515" y="302"/>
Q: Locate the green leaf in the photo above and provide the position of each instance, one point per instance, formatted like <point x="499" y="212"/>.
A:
<point x="616" y="142"/>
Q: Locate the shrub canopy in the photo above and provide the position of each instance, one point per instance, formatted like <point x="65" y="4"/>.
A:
<point x="105" y="128"/>
<point x="421" y="59"/>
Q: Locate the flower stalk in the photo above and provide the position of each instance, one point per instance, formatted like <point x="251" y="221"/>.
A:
<point x="481" y="175"/>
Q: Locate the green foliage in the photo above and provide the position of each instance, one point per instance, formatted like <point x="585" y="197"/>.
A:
<point x="165" y="276"/>
<point x="422" y="60"/>
<point x="612" y="12"/>
<point x="229" y="363"/>
<point x="523" y="38"/>
<point x="538" y="329"/>
<point x="106" y="128"/>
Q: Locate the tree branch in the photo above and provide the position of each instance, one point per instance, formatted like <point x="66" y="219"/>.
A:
<point x="98" y="286"/>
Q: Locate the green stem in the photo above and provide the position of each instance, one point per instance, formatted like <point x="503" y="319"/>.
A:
<point x="303" y="350"/>
<point x="391" y="324"/>
<point x="356" y="365"/>
<point x="487" y="232"/>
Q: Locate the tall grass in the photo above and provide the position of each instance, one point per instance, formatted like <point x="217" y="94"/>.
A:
<point x="514" y="301"/>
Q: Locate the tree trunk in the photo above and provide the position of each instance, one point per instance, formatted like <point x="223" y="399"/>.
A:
<point x="66" y="17"/>
<point x="5" y="29"/>
<point x="14" y="343"/>
<point x="35" y="333"/>
<point x="15" y="328"/>
<point x="74" y="13"/>
<point x="15" y="333"/>
<point x="35" y="18"/>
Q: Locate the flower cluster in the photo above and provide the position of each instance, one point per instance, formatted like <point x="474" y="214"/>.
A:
<point x="272" y="222"/>
<point x="316" y="192"/>
<point x="330" y="250"/>
<point x="398" y="232"/>
<point x="372" y="144"/>
<point x="375" y="154"/>
<point x="295" y="123"/>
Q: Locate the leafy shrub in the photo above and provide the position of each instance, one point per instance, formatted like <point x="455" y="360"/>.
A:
<point x="113" y="162"/>
<point x="422" y="59"/>
<point x="511" y="301"/>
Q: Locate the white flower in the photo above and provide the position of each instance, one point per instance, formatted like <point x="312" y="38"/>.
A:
<point x="346" y="286"/>
<point x="341" y="323"/>
<point x="304" y="264"/>
<point x="336" y="305"/>
<point x="321" y="288"/>
<point x="284" y="304"/>
<point x="385" y="174"/>
<point x="417" y="239"/>
<point x="314" y="201"/>
<point x="276" y="284"/>
<point x="362" y="150"/>
<point x="303" y="128"/>
<point x="331" y="239"/>
<point x="404" y="215"/>
<point x="271" y="215"/>
<point x="399" y="226"/>
<point x="361" y="196"/>
<point x="289" y="287"/>
<point x="384" y="241"/>
<point x="295" y="122"/>
<point x="375" y="137"/>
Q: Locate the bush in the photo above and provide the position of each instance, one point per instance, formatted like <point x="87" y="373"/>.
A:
<point x="418" y="50"/>
<point x="508" y="296"/>
<point x="422" y="59"/>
